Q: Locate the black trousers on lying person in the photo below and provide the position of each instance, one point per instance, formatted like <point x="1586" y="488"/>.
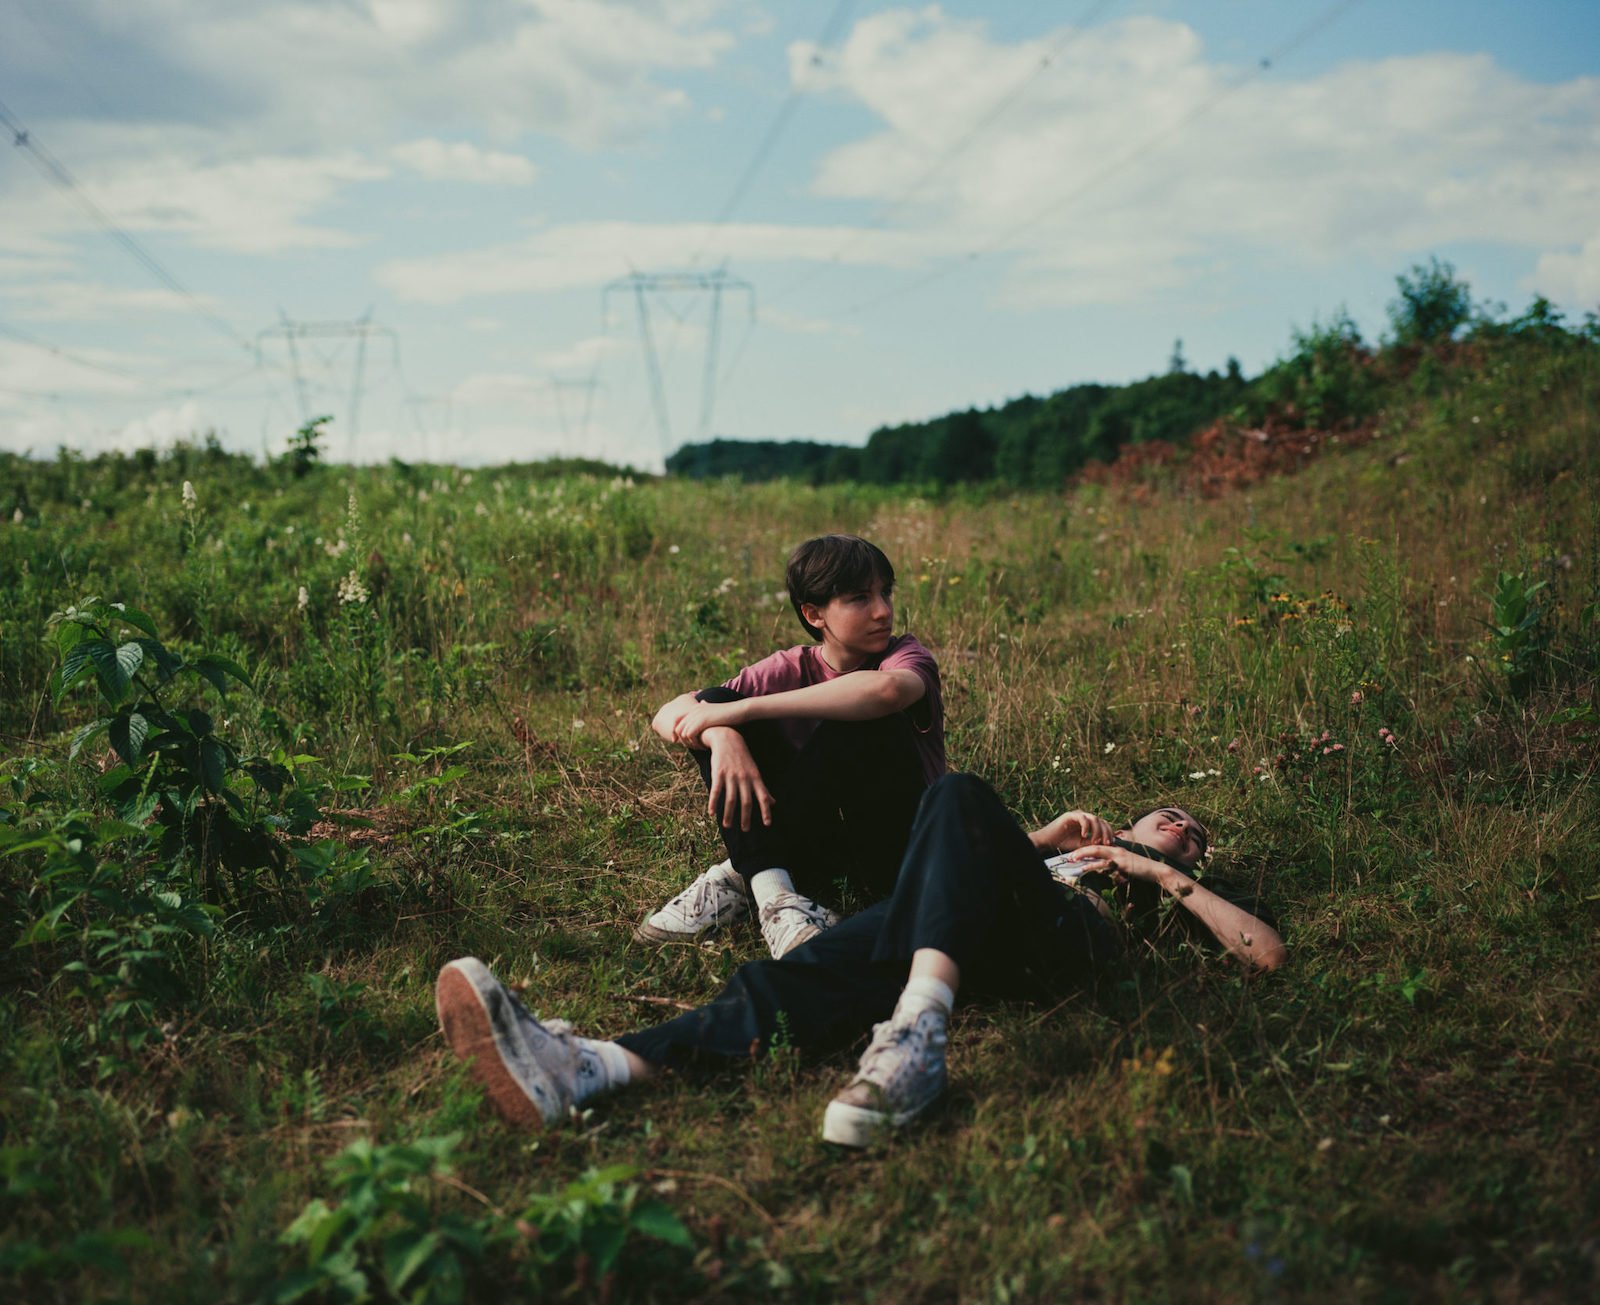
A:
<point x="972" y="885"/>
<point x="843" y="806"/>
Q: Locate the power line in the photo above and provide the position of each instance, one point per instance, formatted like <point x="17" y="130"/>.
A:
<point x="56" y="171"/>
<point x="776" y="128"/>
<point x="881" y="215"/>
<point x="1150" y="143"/>
<point x="66" y="354"/>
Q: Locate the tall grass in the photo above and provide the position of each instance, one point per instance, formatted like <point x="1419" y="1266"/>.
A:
<point x="1309" y="664"/>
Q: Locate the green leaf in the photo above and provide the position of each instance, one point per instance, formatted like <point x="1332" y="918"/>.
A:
<point x="84" y="734"/>
<point x="128" y="733"/>
<point x="223" y="664"/>
<point x="213" y="764"/>
<point x="604" y="1244"/>
<point x="404" y="1253"/>
<point x="137" y="619"/>
<point x="109" y="669"/>
<point x="76" y="666"/>
<point x="656" y="1219"/>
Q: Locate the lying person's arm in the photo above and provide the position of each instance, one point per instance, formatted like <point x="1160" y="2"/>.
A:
<point x="1245" y="936"/>
<point x="860" y="695"/>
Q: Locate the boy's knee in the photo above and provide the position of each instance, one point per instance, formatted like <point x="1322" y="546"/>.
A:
<point x="960" y="788"/>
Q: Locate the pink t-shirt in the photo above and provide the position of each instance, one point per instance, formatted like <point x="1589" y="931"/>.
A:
<point x="798" y="668"/>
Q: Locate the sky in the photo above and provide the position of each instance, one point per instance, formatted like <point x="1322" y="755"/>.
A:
<point x="483" y="231"/>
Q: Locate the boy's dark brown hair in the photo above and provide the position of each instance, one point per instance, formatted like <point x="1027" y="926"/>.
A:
<point x="830" y="565"/>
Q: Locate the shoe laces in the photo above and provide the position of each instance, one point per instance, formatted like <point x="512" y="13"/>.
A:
<point x="702" y="893"/>
<point x="894" y="1043"/>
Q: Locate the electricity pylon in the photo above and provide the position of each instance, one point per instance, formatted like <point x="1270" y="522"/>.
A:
<point x="362" y="328"/>
<point x="643" y="284"/>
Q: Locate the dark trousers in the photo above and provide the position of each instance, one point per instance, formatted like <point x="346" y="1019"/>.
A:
<point x="844" y="802"/>
<point x="971" y="885"/>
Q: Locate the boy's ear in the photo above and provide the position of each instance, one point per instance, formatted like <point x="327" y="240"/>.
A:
<point x="812" y="614"/>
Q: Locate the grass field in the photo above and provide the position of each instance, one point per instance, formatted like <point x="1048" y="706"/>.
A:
<point x="1375" y="680"/>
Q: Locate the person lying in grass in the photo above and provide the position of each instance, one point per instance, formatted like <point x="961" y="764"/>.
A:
<point x="815" y="758"/>
<point x="979" y="907"/>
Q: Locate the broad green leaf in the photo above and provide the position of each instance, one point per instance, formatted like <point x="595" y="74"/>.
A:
<point x="128" y="733"/>
<point x="224" y="664"/>
<point x="404" y="1253"/>
<point x="655" y="1219"/>
<point x="109" y="670"/>
<point x="76" y="666"/>
<point x="137" y="619"/>
<point x="84" y="734"/>
<point x="131" y="657"/>
<point x="213" y="764"/>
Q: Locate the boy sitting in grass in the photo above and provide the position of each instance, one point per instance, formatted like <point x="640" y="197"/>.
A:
<point x="976" y="906"/>
<point x="815" y="758"/>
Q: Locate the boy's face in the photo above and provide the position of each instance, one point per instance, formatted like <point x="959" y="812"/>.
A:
<point x="1173" y="832"/>
<point x="855" y="624"/>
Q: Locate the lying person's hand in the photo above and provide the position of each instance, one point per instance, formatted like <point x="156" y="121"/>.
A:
<point x="1073" y="829"/>
<point x="1125" y="866"/>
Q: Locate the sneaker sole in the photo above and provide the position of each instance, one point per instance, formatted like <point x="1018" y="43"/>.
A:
<point x="463" y="997"/>
<point x="861" y="1126"/>
<point x="649" y="933"/>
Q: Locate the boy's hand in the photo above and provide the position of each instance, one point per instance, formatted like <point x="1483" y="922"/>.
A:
<point x="1074" y="829"/>
<point x="666" y="720"/>
<point x="736" y="781"/>
<point x="1126" y="865"/>
<point x="703" y="716"/>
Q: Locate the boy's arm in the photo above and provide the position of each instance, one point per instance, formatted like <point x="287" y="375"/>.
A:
<point x="666" y="720"/>
<point x="860" y="695"/>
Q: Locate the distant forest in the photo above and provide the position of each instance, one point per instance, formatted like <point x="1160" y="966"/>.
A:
<point x="1330" y="380"/>
<point x="1028" y="441"/>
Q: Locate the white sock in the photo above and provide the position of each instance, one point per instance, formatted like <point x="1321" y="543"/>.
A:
<point x="602" y="1067"/>
<point x="925" y="993"/>
<point x="767" y="884"/>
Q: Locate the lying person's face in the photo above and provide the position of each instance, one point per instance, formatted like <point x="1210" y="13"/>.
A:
<point x="1173" y="832"/>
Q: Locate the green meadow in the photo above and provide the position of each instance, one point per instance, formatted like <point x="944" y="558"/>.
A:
<point x="274" y="748"/>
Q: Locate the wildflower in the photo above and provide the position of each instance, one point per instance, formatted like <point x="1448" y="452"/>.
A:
<point x="480" y="509"/>
<point x="406" y="539"/>
<point x="302" y="600"/>
<point x="1109" y="749"/>
<point x="16" y="517"/>
<point x="190" y="499"/>
<point x="673" y="548"/>
<point x="1233" y="745"/>
<point x="351" y="590"/>
<point x="1355" y="698"/>
<point x="576" y="723"/>
<point x="1197" y="774"/>
<point x="955" y="579"/>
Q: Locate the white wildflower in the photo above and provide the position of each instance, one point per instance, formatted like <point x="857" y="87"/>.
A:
<point x="673" y="548"/>
<point x="351" y="590"/>
<point x="1109" y="749"/>
<point x="1197" y="774"/>
<point x="576" y="723"/>
<point x="405" y="538"/>
<point x="16" y="517"/>
<point x="480" y="509"/>
<point x="302" y="600"/>
<point x="190" y="499"/>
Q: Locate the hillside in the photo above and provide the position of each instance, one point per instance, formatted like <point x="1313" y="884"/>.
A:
<point x="427" y="691"/>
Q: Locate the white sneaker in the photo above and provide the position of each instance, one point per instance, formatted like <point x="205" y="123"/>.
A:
<point x="529" y="1070"/>
<point x="788" y="920"/>
<point x="716" y="898"/>
<point x="902" y="1073"/>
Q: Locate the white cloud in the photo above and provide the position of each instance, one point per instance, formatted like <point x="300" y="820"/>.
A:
<point x="1097" y="185"/>
<point x="462" y="161"/>
<point x="593" y="253"/>
<point x="1569" y="276"/>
